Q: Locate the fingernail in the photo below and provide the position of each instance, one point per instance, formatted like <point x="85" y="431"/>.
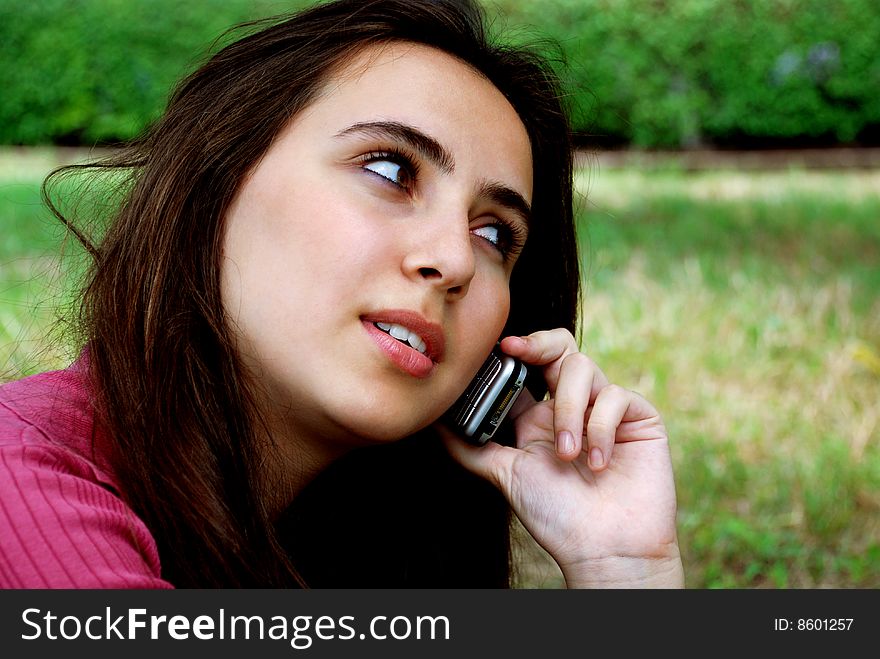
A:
<point x="564" y="442"/>
<point x="596" y="457"/>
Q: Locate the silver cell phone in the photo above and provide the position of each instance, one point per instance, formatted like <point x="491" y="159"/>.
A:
<point x="478" y="413"/>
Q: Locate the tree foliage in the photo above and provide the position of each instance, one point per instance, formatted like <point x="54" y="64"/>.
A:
<point x="652" y="73"/>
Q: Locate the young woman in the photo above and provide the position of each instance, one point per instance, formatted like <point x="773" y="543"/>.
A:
<point x="335" y="220"/>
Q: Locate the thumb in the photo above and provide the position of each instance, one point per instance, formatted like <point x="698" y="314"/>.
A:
<point x="491" y="461"/>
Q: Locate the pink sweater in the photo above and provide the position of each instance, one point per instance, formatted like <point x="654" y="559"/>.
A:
<point x="62" y="521"/>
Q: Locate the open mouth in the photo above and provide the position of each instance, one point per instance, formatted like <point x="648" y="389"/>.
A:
<point x="403" y="335"/>
<point x="413" y="342"/>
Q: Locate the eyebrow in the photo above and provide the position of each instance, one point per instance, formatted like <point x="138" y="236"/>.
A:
<point x="503" y="196"/>
<point x="426" y="145"/>
<point x="431" y="149"/>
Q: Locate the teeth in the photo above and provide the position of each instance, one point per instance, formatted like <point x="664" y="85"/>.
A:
<point x="401" y="333"/>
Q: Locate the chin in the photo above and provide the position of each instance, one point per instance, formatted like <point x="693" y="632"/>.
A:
<point x="391" y="432"/>
<point x="382" y="414"/>
<point x="387" y="428"/>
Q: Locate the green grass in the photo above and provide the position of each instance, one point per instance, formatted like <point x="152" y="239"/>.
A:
<point x="28" y="280"/>
<point x="37" y="258"/>
<point x="745" y="306"/>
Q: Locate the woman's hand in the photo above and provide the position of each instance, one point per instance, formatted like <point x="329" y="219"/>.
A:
<point x="590" y="477"/>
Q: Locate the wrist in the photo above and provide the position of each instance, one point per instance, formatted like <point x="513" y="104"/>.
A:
<point x="626" y="572"/>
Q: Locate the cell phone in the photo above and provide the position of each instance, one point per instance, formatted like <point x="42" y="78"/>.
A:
<point x="478" y="413"/>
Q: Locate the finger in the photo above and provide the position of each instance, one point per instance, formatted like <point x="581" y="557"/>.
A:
<point x="619" y="416"/>
<point x="641" y="421"/>
<point x="491" y="461"/>
<point x="608" y="411"/>
<point x="541" y="347"/>
<point x="545" y="348"/>
<point x="580" y="381"/>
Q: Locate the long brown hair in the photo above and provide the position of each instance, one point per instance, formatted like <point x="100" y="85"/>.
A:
<point x="169" y="385"/>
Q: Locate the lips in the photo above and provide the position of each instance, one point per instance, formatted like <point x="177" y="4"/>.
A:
<point x="404" y="335"/>
<point x="387" y="330"/>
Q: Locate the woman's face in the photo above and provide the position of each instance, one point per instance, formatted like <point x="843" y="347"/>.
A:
<point x="397" y="202"/>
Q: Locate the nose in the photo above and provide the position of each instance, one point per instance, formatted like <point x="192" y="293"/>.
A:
<point x="442" y="255"/>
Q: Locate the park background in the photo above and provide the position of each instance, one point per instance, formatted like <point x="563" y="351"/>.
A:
<point x="729" y="214"/>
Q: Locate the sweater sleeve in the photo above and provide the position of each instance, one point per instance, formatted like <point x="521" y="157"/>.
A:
<point x="60" y="526"/>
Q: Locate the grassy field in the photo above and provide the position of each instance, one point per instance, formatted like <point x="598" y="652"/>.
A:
<point x="745" y="306"/>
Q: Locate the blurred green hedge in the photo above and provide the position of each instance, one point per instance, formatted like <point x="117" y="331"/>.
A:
<point x="685" y="72"/>
<point x="87" y="71"/>
<point x="653" y="73"/>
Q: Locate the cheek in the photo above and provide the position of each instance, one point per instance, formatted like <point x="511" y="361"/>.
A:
<point x="489" y="305"/>
<point x="304" y="237"/>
